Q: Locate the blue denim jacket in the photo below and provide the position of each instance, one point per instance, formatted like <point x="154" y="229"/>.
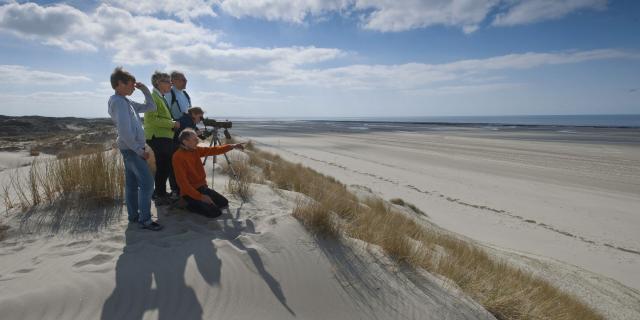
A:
<point x="124" y="114"/>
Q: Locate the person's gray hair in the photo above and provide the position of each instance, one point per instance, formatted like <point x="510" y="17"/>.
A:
<point x="186" y="134"/>
<point x="157" y="77"/>
<point x="176" y="75"/>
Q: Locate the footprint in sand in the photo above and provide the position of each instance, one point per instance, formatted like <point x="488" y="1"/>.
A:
<point x="96" y="260"/>
<point x="78" y="244"/>
<point x="16" y="274"/>
<point x="73" y="245"/>
<point x="106" y="249"/>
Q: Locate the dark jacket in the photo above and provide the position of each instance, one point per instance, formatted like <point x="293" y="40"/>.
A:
<point x="185" y="122"/>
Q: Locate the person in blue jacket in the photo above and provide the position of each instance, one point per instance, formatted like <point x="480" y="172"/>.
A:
<point x="131" y="142"/>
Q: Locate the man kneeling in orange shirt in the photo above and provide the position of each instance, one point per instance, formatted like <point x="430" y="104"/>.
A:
<point x="191" y="177"/>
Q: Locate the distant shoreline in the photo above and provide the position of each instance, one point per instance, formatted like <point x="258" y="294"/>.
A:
<point x="613" y="121"/>
<point x="585" y="121"/>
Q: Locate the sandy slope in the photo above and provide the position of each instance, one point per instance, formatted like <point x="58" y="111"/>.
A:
<point x="574" y="204"/>
<point x="255" y="262"/>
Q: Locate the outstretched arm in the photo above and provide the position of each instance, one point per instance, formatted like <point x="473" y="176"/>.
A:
<point x="213" y="151"/>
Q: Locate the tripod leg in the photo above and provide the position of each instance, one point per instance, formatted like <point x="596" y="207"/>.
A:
<point x="231" y="167"/>
<point x="210" y="144"/>
<point x="213" y="170"/>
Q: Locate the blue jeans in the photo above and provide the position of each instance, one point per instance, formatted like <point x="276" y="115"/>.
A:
<point x="138" y="187"/>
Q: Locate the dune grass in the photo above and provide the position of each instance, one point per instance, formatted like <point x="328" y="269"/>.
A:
<point x="411" y="206"/>
<point x="95" y="178"/>
<point x="240" y="185"/>
<point x="331" y="210"/>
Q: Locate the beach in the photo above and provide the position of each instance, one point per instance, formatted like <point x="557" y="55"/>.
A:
<point x="256" y="261"/>
<point x="556" y="202"/>
<point x="568" y="194"/>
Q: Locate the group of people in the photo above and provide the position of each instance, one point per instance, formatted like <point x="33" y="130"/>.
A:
<point x="170" y="130"/>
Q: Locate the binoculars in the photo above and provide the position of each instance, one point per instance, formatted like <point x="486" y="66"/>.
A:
<point x="217" y="124"/>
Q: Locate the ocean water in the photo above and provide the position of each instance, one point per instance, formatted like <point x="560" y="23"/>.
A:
<point x="606" y="120"/>
<point x="605" y="129"/>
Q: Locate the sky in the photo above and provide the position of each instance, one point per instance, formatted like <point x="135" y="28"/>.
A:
<point x="328" y="58"/>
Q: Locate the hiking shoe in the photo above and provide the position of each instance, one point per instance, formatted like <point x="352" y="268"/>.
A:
<point x="159" y="195"/>
<point x="162" y="201"/>
<point x="152" y="225"/>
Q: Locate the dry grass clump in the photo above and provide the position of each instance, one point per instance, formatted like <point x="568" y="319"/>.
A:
<point x="94" y="178"/>
<point x="241" y="185"/>
<point x="505" y="291"/>
<point x="314" y="216"/>
<point x="411" y="206"/>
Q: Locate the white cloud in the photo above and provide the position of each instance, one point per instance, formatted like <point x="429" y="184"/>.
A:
<point x="291" y="11"/>
<point x="418" y="75"/>
<point x="397" y="16"/>
<point x="405" y="15"/>
<point x="533" y="59"/>
<point x="184" y="9"/>
<point x="146" y="40"/>
<point x="15" y="74"/>
<point x="133" y="39"/>
<point x="51" y="24"/>
<point x="226" y="63"/>
<point x="184" y="45"/>
<point x="380" y="15"/>
<point x="223" y="98"/>
<point x="56" y="103"/>
<point x="530" y="11"/>
<point x="465" y="89"/>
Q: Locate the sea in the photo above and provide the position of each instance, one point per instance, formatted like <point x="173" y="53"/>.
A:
<point x="600" y="120"/>
<point x="619" y="129"/>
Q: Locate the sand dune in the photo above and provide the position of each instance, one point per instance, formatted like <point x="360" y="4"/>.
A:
<point x="569" y="203"/>
<point x="563" y="211"/>
<point x="255" y="262"/>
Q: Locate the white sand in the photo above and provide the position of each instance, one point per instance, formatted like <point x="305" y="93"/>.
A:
<point x="255" y="262"/>
<point x="12" y="160"/>
<point x="571" y="203"/>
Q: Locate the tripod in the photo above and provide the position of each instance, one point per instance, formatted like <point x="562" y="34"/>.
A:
<point x="215" y="141"/>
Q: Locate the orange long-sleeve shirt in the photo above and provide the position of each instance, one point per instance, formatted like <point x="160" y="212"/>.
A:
<point x="189" y="170"/>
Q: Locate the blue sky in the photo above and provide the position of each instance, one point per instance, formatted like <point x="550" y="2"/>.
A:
<point x="331" y="58"/>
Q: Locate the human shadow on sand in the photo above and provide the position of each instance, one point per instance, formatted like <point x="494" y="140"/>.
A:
<point x="232" y="230"/>
<point x="150" y="272"/>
